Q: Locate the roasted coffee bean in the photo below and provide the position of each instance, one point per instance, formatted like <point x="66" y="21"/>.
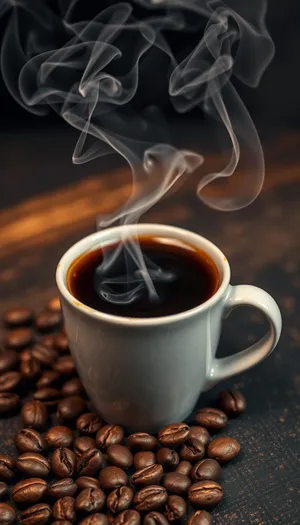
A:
<point x="33" y="464"/>
<point x="86" y="482"/>
<point x="232" y="402"/>
<point x="29" y="440"/>
<point x="143" y="459"/>
<point x="54" y="304"/>
<point x="112" y="477"/>
<point x="73" y="387"/>
<point x="30" y="368"/>
<point x="142" y="441"/>
<point x="9" y="380"/>
<point x="48" y="395"/>
<point x="119" y="456"/>
<point x="155" y="518"/>
<point x="48" y="378"/>
<point x="176" y="483"/>
<point x="19" y="316"/>
<point x="128" y="517"/>
<point x="192" y="450"/>
<point x="59" y="436"/>
<point x="26" y="354"/>
<point x="150" y="498"/>
<point x="184" y="467"/>
<point x="8" y="401"/>
<point x="3" y="490"/>
<point x="36" y="515"/>
<point x="90" y="462"/>
<point x="223" y="449"/>
<point x="65" y="365"/>
<point x="47" y="321"/>
<point x="61" y="522"/>
<point x="167" y="457"/>
<point x="147" y="476"/>
<point x="205" y="494"/>
<point x="200" y="517"/>
<point x="109" y="435"/>
<point x="119" y="499"/>
<point x="7" y="467"/>
<point x="61" y="488"/>
<point x="173" y="435"/>
<point x="48" y="340"/>
<point x="29" y="490"/>
<point x="61" y="343"/>
<point x="64" y="509"/>
<point x="70" y="408"/>
<point x="7" y="514"/>
<point x="88" y="423"/>
<point x="44" y="355"/>
<point x="19" y="338"/>
<point x="206" y="469"/>
<point x="211" y="418"/>
<point x="90" y="500"/>
<point x="34" y="414"/>
<point x="63" y="462"/>
<point x="175" y="508"/>
<point x="82" y="444"/>
<point x="200" y="433"/>
<point x="8" y="359"/>
<point x="93" y="519"/>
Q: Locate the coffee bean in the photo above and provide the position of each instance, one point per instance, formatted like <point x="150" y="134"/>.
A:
<point x="54" y="304"/>
<point x="150" y="498"/>
<point x="48" y="378"/>
<point x="88" y="423"/>
<point x="211" y="418"/>
<point x="7" y="467"/>
<point x="176" y="483"/>
<point x="30" y="368"/>
<point x="63" y="462"/>
<point x="9" y="380"/>
<point x="59" y="436"/>
<point x="33" y="464"/>
<point x="61" y="343"/>
<point x="184" y="467"/>
<point x="128" y="517"/>
<point x="65" y="365"/>
<point x="232" y="402"/>
<point x="175" y="508"/>
<point x="90" y="500"/>
<point x="200" y="433"/>
<point x="26" y="354"/>
<point x="64" y="509"/>
<point x="47" y="321"/>
<point x="61" y="488"/>
<point x="86" y="482"/>
<point x="155" y="518"/>
<point x="29" y="490"/>
<point x="173" y="435"/>
<point x="8" y="401"/>
<point x="109" y="435"/>
<point x="61" y="522"/>
<point x="48" y="340"/>
<point x="223" y="449"/>
<point x="3" y="490"/>
<point x="19" y="338"/>
<point x="206" y="469"/>
<point x="119" y="499"/>
<point x="8" y="359"/>
<point x="205" y="494"/>
<point x="93" y="519"/>
<point x="44" y="355"/>
<point x="18" y="316"/>
<point x="82" y="444"/>
<point x="48" y="395"/>
<point x="119" y="456"/>
<point x="34" y="414"/>
<point x="73" y="387"/>
<point x="29" y="440"/>
<point x="36" y="515"/>
<point x="142" y="441"/>
<point x="147" y="476"/>
<point x="200" y="517"/>
<point x="192" y="450"/>
<point x="7" y="514"/>
<point x="143" y="459"/>
<point x="167" y="457"/>
<point x="112" y="477"/>
<point x="90" y="462"/>
<point x="70" y="408"/>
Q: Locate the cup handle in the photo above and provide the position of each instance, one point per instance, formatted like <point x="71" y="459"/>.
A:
<point x="235" y="364"/>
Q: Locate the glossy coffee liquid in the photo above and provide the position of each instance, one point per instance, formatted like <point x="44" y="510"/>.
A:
<point x="183" y="275"/>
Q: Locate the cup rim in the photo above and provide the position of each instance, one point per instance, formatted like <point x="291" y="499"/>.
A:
<point x="109" y="235"/>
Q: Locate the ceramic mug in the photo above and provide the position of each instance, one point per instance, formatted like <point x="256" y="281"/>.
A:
<point x="145" y="373"/>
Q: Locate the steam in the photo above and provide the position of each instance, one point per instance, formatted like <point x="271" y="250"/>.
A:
<point x="90" y="73"/>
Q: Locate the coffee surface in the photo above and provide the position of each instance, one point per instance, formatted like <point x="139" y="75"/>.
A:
<point x="183" y="277"/>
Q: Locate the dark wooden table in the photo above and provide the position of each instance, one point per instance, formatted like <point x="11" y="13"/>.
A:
<point x="47" y="204"/>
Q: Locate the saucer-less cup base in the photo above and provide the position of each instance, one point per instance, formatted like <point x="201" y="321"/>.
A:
<point x="145" y="373"/>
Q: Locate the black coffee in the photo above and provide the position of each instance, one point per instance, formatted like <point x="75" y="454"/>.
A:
<point x="109" y="280"/>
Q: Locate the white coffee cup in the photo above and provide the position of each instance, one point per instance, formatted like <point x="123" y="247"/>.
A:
<point x="144" y="373"/>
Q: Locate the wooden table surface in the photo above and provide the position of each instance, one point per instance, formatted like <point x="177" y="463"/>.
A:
<point x="47" y="204"/>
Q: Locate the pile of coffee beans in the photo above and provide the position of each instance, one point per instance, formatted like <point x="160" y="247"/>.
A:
<point x="71" y="467"/>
